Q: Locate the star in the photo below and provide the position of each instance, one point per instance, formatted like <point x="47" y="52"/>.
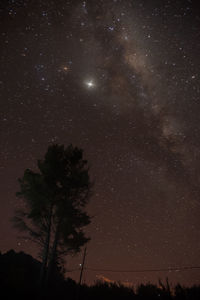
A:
<point x="90" y="84"/>
<point x="65" y="68"/>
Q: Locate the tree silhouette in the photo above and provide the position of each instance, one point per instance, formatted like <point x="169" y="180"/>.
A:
<point x="54" y="201"/>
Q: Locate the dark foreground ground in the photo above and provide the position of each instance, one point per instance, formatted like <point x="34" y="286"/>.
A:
<point x="19" y="280"/>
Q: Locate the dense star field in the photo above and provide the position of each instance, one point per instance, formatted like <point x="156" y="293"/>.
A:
<point x="119" y="79"/>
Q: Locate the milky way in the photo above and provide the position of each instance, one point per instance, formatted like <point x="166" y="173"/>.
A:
<point x="121" y="80"/>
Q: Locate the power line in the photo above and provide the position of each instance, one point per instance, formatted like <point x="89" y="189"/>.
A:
<point x="177" y="269"/>
<point x="73" y="270"/>
<point x="144" y="270"/>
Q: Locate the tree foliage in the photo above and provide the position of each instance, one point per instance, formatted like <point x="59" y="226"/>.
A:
<point x="54" y="200"/>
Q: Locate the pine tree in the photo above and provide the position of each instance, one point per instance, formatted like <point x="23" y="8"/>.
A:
<point x="54" y="200"/>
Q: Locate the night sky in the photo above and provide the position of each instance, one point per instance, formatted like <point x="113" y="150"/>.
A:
<point x="121" y="80"/>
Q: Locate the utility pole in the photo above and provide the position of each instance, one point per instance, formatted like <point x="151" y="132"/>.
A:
<point x="82" y="266"/>
<point x="81" y="275"/>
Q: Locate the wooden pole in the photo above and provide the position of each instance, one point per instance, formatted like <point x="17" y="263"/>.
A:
<point x="81" y="275"/>
<point x="82" y="266"/>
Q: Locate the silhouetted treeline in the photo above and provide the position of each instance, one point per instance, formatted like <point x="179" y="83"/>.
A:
<point x="19" y="274"/>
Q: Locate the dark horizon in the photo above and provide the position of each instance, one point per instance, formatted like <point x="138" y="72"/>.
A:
<point x="120" y="79"/>
<point x="11" y="260"/>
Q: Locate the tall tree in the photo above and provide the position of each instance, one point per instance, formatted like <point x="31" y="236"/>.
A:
<point x="54" y="201"/>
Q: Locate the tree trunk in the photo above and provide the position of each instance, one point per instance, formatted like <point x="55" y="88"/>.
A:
<point x="46" y="249"/>
<point x="52" y="260"/>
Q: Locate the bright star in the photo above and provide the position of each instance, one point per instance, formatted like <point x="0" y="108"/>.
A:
<point x="90" y="84"/>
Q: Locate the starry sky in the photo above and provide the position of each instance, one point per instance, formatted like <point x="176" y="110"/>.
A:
<point x="119" y="79"/>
